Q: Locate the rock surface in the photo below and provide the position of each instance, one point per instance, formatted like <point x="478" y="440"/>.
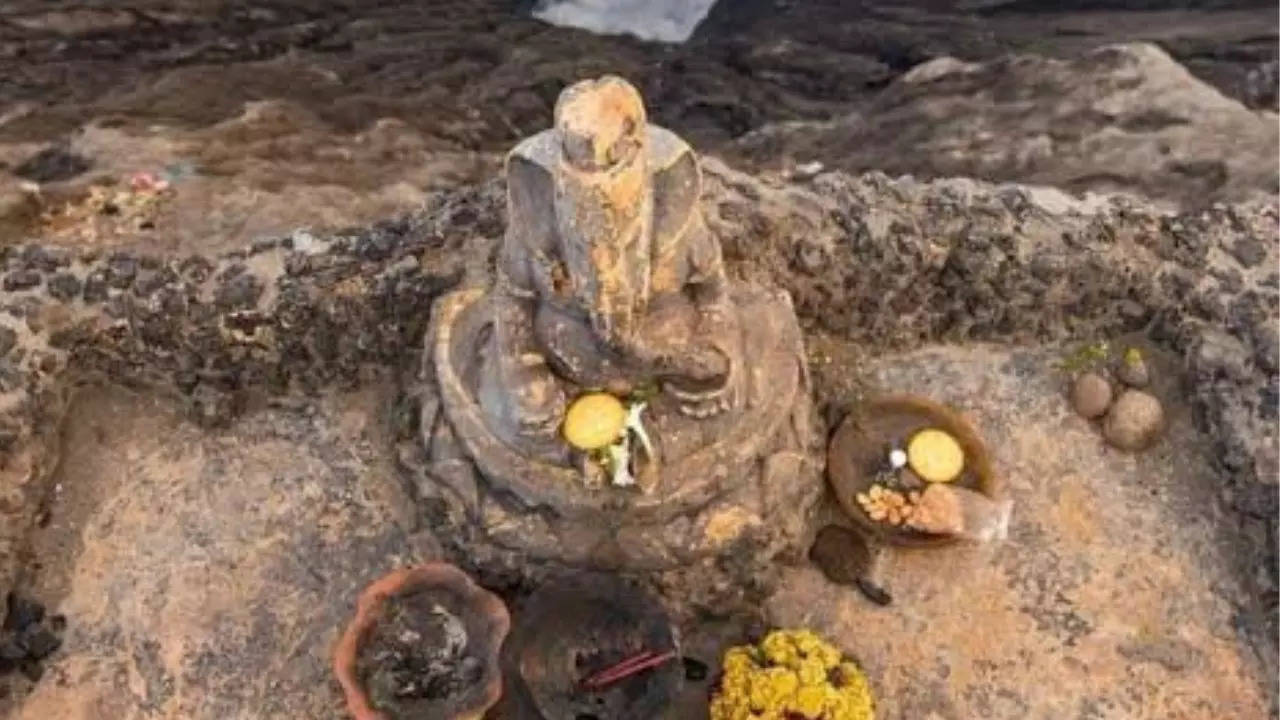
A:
<point x="205" y="570"/>
<point x="1125" y="118"/>
<point x="1110" y="598"/>
<point x="1116" y="580"/>
<point x="481" y="73"/>
<point x="272" y="169"/>
<point x="872" y="264"/>
<point x="326" y="115"/>
<point x="208" y="575"/>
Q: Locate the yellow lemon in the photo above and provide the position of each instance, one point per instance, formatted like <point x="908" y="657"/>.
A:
<point x="935" y="456"/>
<point x="594" y="420"/>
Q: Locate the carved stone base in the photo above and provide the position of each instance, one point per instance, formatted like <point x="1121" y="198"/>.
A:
<point x="748" y="477"/>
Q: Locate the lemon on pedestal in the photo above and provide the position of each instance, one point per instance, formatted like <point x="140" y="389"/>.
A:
<point x="594" y="421"/>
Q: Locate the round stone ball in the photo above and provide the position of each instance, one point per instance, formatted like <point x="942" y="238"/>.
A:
<point x="1134" y="422"/>
<point x="1091" y="395"/>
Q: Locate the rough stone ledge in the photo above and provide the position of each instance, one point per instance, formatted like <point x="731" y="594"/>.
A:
<point x="883" y="263"/>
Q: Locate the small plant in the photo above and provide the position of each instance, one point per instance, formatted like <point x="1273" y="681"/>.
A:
<point x="1085" y="358"/>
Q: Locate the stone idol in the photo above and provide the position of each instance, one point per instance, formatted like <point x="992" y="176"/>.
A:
<point x="610" y="287"/>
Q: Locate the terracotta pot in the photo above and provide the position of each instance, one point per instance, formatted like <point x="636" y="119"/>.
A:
<point x="858" y="445"/>
<point x="576" y="626"/>
<point x="483" y="613"/>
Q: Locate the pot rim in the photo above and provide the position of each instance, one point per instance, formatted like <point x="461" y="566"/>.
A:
<point x="375" y="595"/>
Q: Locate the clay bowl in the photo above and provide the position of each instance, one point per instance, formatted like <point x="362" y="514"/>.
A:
<point x="482" y="614"/>
<point x="860" y="445"/>
<point x="574" y="627"/>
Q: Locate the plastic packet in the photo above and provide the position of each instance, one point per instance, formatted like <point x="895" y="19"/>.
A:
<point x="947" y="510"/>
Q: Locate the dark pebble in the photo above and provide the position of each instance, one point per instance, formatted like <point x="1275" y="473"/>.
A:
<point x="195" y="268"/>
<point x="44" y="259"/>
<point x="95" y="287"/>
<point x="64" y="286"/>
<point x="22" y="613"/>
<point x="8" y="338"/>
<point x="151" y="281"/>
<point x="21" y="280"/>
<point x="121" y="270"/>
<point x="1249" y="251"/>
<point x="240" y="292"/>
<point x="694" y="670"/>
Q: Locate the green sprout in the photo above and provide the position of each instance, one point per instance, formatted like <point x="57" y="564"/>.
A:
<point x="643" y="392"/>
<point x="1086" y="357"/>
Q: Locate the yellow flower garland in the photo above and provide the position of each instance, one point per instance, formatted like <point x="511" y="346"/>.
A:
<point x="791" y="674"/>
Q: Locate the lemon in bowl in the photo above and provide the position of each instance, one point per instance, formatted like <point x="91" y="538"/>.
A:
<point x="935" y="455"/>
